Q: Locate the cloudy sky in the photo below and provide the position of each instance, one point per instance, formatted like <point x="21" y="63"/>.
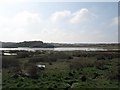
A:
<point x="71" y="22"/>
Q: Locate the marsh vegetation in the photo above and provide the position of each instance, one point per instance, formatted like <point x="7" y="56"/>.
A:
<point x="63" y="69"/>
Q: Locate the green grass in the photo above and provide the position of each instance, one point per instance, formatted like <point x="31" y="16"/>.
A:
<point x="65" y="72"/>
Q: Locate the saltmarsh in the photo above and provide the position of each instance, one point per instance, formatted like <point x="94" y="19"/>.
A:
<point x="63" y="69"/>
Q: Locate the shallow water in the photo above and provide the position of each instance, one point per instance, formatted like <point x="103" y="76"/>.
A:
<point x="59" y="49"/>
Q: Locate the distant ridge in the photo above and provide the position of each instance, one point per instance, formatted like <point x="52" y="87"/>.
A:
<point x="30" y="44"/>
<point x="41" y="44"/>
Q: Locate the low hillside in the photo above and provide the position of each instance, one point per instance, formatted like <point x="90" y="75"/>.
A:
<point x="31" y="44"/>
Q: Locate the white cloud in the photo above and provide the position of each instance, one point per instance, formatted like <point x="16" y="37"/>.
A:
<point x="60" y="15"/>
<point x="20" y="20"/>
<point x="30" y="26"/>
<point x="81" y="16"/>
<point x="25" y="18"/>
<point x="18" y="26"/>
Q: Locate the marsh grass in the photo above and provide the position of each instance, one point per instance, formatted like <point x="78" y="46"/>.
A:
<point x="73" y="69"/>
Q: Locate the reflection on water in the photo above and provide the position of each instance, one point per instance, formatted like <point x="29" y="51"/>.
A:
<point x="79" y="48"/>
<point x="59" y="49"/>
<point x="8" y="54"/>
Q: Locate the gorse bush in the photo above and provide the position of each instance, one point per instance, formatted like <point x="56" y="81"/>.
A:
<point x="49" y="57"/>
<point x="9" y="61"/>
<point x="114" y="73"/>
<point x="24" y="54"/>
<point x="81" y="63"/>
<point x="44" y="58"/>
<point x="32" y="71"/>
<point x="100" y="63"/>
<point x="63" y="55"/>
<point x="36" y="59"/>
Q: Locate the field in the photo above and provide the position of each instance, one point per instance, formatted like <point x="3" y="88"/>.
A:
<point x="63" y="69"/>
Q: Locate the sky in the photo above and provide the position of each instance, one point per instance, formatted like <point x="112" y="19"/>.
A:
<point x="59" y="22"/>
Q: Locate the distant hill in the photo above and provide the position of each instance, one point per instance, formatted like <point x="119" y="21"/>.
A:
<point x="40" y="44"/>
<point x="30" y="44"/>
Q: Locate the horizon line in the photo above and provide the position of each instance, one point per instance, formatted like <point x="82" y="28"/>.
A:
<point x="62" y="42"/>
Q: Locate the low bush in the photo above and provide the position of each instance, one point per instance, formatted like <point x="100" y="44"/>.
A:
<point x="23" y="54"/>
<point x="36" y="59"/>
<point x="80" y="64"/>
<point x="9" y="61"/>
<point x="43" y="58"/>
<point x="101" y="64"/>
<point x="32" y="71"/>
<point x="114" y="73"/>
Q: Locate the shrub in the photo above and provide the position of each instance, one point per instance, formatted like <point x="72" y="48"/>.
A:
<point x="70" y="57"/>
<point x="9" y="61"/>
<point x="100" y="57"/>
<point x="32" y="71"/>
<point x="16" y="70"/>
<point x="80" y="64"/>
<point x="114" y="73"/>
<point x="101" y="64"/>
<point x="62" y="55"/>
<point x="24" y="54"/>
<point x="36" y="59"/>
<point x="50" y="63"/>
<point x="43" y="58"/>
